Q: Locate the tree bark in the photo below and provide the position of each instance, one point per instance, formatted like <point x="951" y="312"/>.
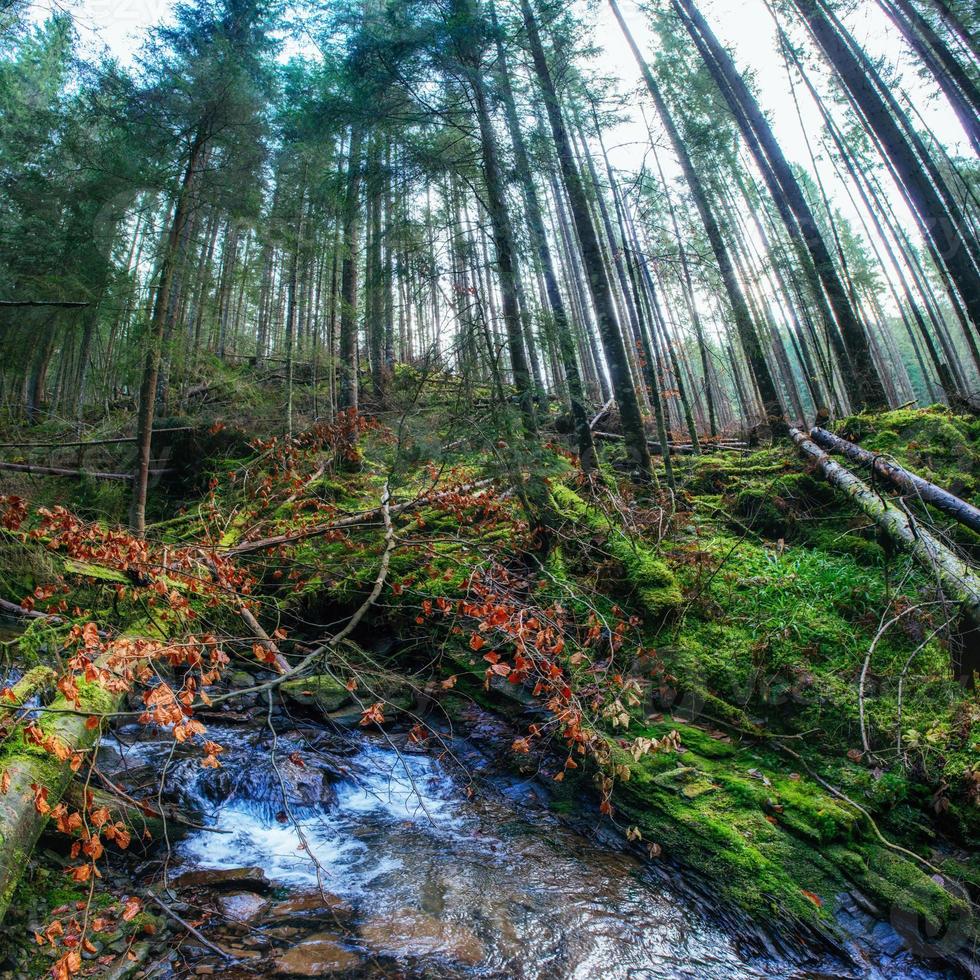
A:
<point x="496" y="204"/>
<point x="347" y="365"/>
<point x="148" y="389"/>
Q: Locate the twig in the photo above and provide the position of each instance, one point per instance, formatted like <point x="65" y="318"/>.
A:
<point x="882" y="630"/>
<point x="359" y="614"/>
<point x="194" y="932"/>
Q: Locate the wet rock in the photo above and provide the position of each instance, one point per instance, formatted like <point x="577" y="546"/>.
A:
<point x="305" y="905"/>
<point x="240" y="679"/>
<point x="241" y="953"/>
<point x="411" y="933"/>
<point x="331" y="696"/>
<point x="225" y="879"/>
<point x="318" y="956"/>
<point x="887" y="939"/>
<point x="306" y="785"/>
<point x="241" y="906"/>
<point x="321" y="691"/>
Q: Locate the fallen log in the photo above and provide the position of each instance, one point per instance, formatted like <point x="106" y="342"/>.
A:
<point x="76" y="474"/>
<point x="602" y="412"/>
<point x="900" y="478"/>
<point x="68" y="304"/>
<point x="35" y="780"/>
<point x="353" y="520"/>
<point x="89" y="442"/>
<point x="958" y="579"/>
<point x="12" y="609"/>
<point x="36" y="681"/>
<point x="684" y="447"/>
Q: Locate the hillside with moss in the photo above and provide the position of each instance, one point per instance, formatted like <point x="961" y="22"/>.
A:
<point x="741" y="681"/>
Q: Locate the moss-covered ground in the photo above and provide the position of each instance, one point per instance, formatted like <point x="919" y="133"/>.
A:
<point x="755" y="603"/>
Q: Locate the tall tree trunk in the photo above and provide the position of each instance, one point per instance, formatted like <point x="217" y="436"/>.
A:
<point x="151" y="369"/>
<point x="689" y="302"/>
<point x="925" y="185"/>
<point x="292" y="304"/>
<point x="871" y="206"/>
<point x="574" y="274"/>
<point x="612" y="341"/>
<point x="959" y="89"/>
<point x="743" y="320"/>
<point x="347" y="364"/>
<point x="229" y="259"/>
<point x="373" y="270"/>
<point x="496" y="203"/>
<point x="953" y="22"/>
<point x="786" y="189"/>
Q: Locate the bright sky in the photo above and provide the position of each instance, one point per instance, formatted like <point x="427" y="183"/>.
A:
<point x="745" y="25"/>
<point x="748" y="29"/>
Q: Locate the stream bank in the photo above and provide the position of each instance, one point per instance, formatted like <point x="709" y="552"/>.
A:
<point x="337" y="851"/>
<point x="740" y="658"/>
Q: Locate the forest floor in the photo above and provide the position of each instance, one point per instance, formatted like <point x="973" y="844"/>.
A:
<point x="683" y="670"/>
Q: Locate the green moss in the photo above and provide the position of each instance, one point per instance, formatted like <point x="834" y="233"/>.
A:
<point x="901" y="885"/>
<point x="650" y="581"/>
<point x="23" y="566"/>
<point x="75" y="567"/>
<point x="322" y="690"/>
<point x="34" y="681"/>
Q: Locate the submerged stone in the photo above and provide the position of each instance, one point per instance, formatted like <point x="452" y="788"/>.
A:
<point x="320" y="955"/>
<point x="301" y="905"/>
<point x="411" y="933"/>
<point x="241" y="906"/>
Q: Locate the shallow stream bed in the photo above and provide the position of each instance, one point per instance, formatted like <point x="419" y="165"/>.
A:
<point x="372" y="858"/>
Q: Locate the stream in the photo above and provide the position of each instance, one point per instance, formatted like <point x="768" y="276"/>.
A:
<point x="356" y="853"/>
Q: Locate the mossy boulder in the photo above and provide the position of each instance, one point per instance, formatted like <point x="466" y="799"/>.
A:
<point x="343" y="698"/>
<point x="322" y="691"/>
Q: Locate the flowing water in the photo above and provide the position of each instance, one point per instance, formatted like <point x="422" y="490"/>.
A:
<point x="382" y="863"/>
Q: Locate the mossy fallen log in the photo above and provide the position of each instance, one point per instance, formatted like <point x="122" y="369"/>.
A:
<point x="35" y="779"/>
<point x="900" y="478"/>
<point x="34" y="682"/>
<point x="958" y="579"/>
<point x="32" y="769"/>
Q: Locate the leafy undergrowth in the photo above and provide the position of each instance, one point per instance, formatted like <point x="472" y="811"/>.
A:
<point x="697" y="672"/>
